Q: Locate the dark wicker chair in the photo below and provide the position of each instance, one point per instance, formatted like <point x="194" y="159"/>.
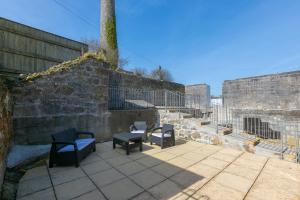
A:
<point x="139" y="127"/>
<point x="69" y="149"/>
<point x="164" y="138"/>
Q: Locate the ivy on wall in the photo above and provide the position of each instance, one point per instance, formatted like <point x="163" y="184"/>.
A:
<point x="111" y="33"/>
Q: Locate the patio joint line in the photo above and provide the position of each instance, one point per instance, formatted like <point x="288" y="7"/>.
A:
<point x="51" y="181"/>
<point x="256" y="178"/>
<point x="98" y="188"/>
<point x="216" y="174"/>
<point x="168" y="178"/>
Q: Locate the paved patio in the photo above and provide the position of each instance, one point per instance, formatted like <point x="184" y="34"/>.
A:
<point x="187" y="171"/>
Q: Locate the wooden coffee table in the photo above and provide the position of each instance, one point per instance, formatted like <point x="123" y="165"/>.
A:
<point x="128" y="141"/>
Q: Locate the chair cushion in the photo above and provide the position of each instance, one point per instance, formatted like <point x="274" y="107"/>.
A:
<point x="160" y="135"/>
<point x="81" y="144"/>
<point x="138" y="131"/>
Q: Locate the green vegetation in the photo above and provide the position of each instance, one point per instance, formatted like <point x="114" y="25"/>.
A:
<point x="65" y="66"/>
<point x="111" y="33"/>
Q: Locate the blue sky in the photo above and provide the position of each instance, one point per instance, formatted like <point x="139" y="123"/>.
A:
<point x="199" y="41"/>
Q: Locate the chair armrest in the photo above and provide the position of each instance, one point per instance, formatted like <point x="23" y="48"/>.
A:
<point x="86" y="133"/>
<point x="155" y="129"/>
<point x="169" y="131"/>
<point x="132" y="128"/>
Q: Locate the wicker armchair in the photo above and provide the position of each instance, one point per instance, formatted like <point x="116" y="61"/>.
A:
<point x="164" y="138"/>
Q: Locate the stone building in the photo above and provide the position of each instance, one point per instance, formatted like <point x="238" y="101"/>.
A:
<point x="200" y="90"/>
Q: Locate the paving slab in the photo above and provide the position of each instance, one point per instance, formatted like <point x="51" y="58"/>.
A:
<point x="47" y="194"/>
<point x="67" y="175"/>
<point x="165" y="190"/>
<point x="147" y="178"/>
<point x="181" y="162"/>
<point x="33" y="185"/>
<point x="216" y="191"/>
<point x="118" y="160"/>
<point x="90" y="159"/>
<point x="213" y="162"/>
<point x="106" y="177"/>
<point x="93" y="195"/>
<point x="123" y="189"/>
<point x="131" y="168"/>
<point x="95" y="167"/>
<point x="224" y="157"/>
<point x="166" y="169"/>
<point x="243" y="171"/>
<point x="144" y="196"/>
<point x="35" y="173"/>
<point x="149" y="161"/>
<point x="233" y="181"/>
<point x="74" y="188"/>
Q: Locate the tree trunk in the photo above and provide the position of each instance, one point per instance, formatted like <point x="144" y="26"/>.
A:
<point x="108" y="40"/>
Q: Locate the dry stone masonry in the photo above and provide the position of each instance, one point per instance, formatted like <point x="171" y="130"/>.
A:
<point x="5" y="126"/>
<point x="77" y="96"/>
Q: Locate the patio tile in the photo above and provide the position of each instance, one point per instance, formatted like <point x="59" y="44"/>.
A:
<point x="179" y="196"/>
<point x="231" y="152"/>
<point x="46" y="194"/>
<point x="144" y="196"/>
<point x="181" y="162"/>
<point x="164" y="156"/>
<point x="93" y="195"/>
<point x="270" y="186"/>
<point x="242" y="171"/>
<point x="186" y="178"/>
<point x="194" y="187"/>
<point x="233" y="181"/>
<point x="90" y="159"/>
<point x="67" y="175"/>
<point x="203" y="170"/>
<point x="123" y="189"/>
<point x="106" y="177"/>
<point x="219" y="164"/>
<point x="147" y="178"/>
<point x="96" y="167"/>
<point x="166" y="169"/>
<point x="252" y="164"/>
<point x="131" y="168"/>
<point x="33" y="185"/>
<point x="194" y="156"/>
<point x="215" y="191"/>
<point x="165" y="190"/>
<point x="118" y="161"/>
<point x="282" y="168"/>
<point x="34" y="173"/>
<point x="149" y="161"/>
<point x="109" y="154"/>
<point x="136" y="155"/>
<point x="102" y="147"/>
<point x="224" y="157"/>
<point x="74" y="188"/>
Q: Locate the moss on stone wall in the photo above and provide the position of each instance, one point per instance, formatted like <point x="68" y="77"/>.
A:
<point x="111" y="33"/>
<point x="65" y="66"/>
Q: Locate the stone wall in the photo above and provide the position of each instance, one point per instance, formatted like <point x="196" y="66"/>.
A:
<point x="130" y="80"/>
<point x="269" y="92"/>
<point x="201" y="90"/>
<point x="5" y="126"/>
<point x="75" y="97"/>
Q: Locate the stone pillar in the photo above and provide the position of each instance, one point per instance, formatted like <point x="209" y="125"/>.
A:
<point x="108" y="40"/>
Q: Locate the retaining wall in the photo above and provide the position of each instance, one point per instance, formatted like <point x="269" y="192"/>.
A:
<point x="5" y="126"/>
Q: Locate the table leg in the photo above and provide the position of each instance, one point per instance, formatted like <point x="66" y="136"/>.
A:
<point x="141" y="145"/>
<point x="127" y="148"/>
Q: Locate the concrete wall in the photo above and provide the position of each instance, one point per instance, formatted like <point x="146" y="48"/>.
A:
<point x="77" y="97"/>
<point x="201" y="90"/>
<point x="271" y="92"/>
<point x="24" y="49"/>
<point x="5" y="127"/>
